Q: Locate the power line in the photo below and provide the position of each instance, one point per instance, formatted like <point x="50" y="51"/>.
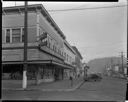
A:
<point x="86" y="8"/>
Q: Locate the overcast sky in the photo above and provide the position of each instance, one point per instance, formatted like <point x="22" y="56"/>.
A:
<point x="95" y="32"/>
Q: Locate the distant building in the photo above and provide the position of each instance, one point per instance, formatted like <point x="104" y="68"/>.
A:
<point x="78" y="62"/>
<point x="49" y="54"/>
<point x="116" y="70"/>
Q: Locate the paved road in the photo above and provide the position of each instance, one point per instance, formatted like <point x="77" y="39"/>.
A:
<point x="109" y="89"/>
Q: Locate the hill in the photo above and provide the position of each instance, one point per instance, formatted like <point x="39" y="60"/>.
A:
<point x="98" y="65"/>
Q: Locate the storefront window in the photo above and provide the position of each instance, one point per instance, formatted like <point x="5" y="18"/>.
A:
<point x="48" y="73"/>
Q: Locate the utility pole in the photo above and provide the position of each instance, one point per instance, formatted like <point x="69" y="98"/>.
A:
<point x="25" y="47"/>
<point x="112" y="64"/>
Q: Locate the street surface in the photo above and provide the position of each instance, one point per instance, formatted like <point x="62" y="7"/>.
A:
<point x="108" y="89"/>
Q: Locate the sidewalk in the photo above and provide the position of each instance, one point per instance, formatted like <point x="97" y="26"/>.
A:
<point x="61" y="85"/>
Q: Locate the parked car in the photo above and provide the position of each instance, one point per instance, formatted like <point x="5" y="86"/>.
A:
<point x="93" y="77"/>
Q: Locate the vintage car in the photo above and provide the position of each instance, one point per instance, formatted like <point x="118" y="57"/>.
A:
<point x="93" y="77"/>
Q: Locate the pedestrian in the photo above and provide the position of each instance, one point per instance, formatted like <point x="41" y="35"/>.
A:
<point x="55" y="76"/>
<point x="71" y="79"/>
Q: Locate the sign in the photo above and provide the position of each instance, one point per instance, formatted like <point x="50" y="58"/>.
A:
<point x="43" y="43"/>
<point x="117" y="68"/>
<point x="43" y="39"/>
<point x="43" y="36"/>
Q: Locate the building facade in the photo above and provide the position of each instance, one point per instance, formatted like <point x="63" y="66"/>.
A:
<point x="48" y="55"/>
<point x="78" y="62"/>
<point x="116" y="70"/>
<point x="69" y="59"/>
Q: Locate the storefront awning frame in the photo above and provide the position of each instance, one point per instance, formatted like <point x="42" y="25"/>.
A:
<point x="63" y="65"/>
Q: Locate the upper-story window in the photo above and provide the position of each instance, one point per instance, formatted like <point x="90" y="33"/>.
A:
<point x="7" y="35"/>
<point x="65" y="56"/>
<point x="16" y="33"/>
<point x="22" y="34"/>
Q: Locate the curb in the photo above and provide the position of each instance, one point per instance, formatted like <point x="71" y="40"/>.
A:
<point x="48" y="90"/>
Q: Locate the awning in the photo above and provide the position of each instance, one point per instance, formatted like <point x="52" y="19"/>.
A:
<point x="65" y="66"/>
<point x="28" y="62"/>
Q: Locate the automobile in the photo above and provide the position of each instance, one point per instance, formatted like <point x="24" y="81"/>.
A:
<point x="93" y="77"/>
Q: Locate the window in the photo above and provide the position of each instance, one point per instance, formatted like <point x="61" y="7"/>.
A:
<point x="65" y="56"/>
<point x="48" y="38"/>
<point x="60" y="52"/>
<point x="7" y="35"/>
<point x="50" y="42"/>
<point x="16" y="35"/>
<point x="55" y="48"/>
<point x="22" y="34"/>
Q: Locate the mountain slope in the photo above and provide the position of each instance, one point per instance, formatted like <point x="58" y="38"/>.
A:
<point x="98" y="65"/>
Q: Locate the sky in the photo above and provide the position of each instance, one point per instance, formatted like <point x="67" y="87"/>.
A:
<point x="96" y="33"/>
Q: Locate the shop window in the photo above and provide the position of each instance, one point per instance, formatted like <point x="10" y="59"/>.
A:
<point x="7" y="35"/>
<point x="48" y="73"/>
<point x="16" y="35"/>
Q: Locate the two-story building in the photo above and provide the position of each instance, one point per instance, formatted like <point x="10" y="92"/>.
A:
<point x="78" y="62"/>
<point x="48" y="52"/>
<point x="69" y="59"/>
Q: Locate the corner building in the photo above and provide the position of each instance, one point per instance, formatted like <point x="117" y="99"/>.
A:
<point x="48" y="54"/>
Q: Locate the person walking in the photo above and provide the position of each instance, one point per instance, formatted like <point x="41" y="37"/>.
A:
<point x="71" y="79"/>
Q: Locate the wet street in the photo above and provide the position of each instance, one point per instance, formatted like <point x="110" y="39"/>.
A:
<point x="108" y="89"/>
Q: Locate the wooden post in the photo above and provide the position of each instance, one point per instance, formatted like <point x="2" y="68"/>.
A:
<point x="24" y="85"/>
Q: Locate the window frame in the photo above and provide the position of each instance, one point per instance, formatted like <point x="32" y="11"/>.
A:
<point x="6" y="35"/>
<point x="20" y="34"/>
<point x="21" y="31"/>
